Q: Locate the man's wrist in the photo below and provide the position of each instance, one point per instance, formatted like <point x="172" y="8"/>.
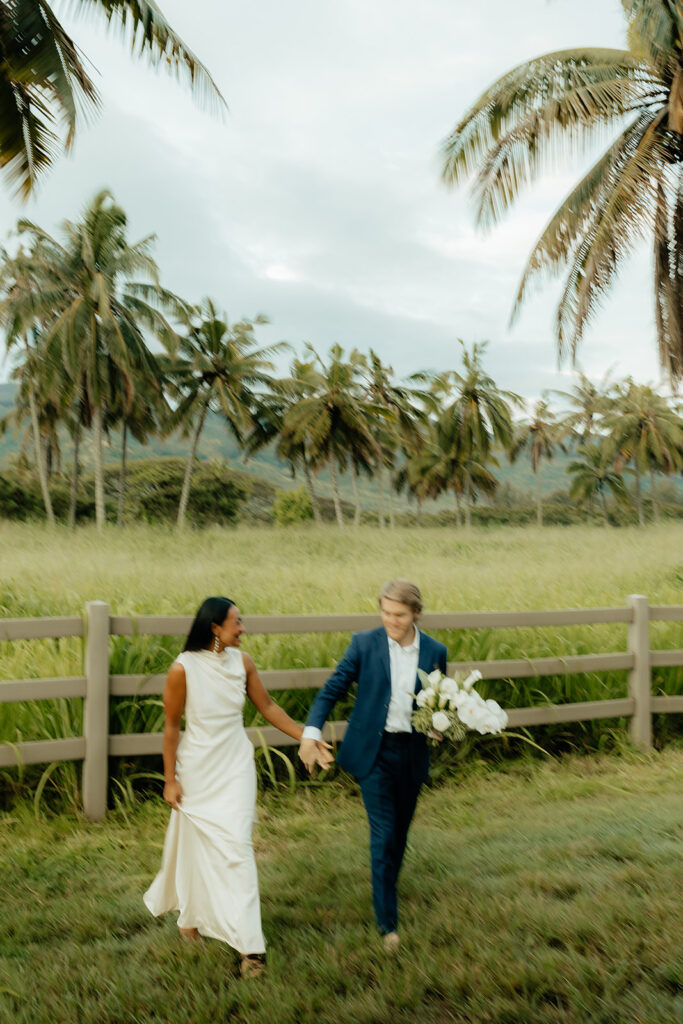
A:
<point x="311" y="733"/>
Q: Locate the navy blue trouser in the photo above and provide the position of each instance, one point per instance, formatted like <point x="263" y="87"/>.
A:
<point x="390" y="795"/>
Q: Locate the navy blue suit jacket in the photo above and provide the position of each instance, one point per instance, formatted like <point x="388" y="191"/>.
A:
<point x="366" y="662"/>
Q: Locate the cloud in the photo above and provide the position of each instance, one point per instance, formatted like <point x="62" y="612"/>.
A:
<point x="318" y="199"/>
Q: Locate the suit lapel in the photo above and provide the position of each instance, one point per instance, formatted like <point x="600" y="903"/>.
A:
<point x="383" y="654"/>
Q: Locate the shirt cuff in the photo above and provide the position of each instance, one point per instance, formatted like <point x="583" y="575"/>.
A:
<point x="311" y="733"/>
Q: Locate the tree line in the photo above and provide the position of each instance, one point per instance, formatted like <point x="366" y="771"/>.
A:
<point x="99" y="345"/>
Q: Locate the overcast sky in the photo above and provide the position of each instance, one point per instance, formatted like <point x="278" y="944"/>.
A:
<point x="317" y="200"/>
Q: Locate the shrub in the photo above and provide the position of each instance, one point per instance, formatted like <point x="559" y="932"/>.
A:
<point x="292" y="507"/>
<point x="19" y="497"/>
<point x="153" y="489"/>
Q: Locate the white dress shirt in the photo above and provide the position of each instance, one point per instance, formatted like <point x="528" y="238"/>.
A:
<point x="403" y="664"/>
<point x="403" y="667"/>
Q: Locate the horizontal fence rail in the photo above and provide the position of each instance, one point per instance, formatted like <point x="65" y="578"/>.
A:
<point x="97" y="685"/>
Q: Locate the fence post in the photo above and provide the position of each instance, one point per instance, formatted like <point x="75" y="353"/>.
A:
<point x="96" y="710"/>
<point x="639" y="684"/>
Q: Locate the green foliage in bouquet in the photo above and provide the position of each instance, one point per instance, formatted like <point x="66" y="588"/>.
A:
<point x="422" y="721"/>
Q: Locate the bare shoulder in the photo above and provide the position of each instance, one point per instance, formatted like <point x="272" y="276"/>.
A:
<point x="176" y="674"/>
<point x="247" y="661"/>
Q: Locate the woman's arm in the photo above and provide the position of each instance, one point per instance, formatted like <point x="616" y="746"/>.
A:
<point x="274" y="714"/>
<point x="265" y="704"/>
<point x="174" y="705"/>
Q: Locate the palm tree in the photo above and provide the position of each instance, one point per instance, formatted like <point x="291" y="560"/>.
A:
<point x="95" y="315"/>
<point x="411" y="478"/>
<point x="481" y="415"/>
<point x="589" y="402"/>
<point x="44" y="81"/>
<point x="394" y="418"/>
<point x="541" y="436"/>
<point x="268" y="420"/>
<point x="642" y="429"/>
<point x="333" y="421"/>
<point x="594" y="475"/>
<point x="216" y="366"/>
<point x="557" y="104"/>
<point x="448" y="462"/>
<point x="21" y="284"/>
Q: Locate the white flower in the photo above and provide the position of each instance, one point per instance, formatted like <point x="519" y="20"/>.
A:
<point x="472" y="678"/>
<point x="449" y="687"/>
<point x="440" y="721"/>
<point x="426" y="698"/>
<point x="470" y="710"/>
<point x="497" y="713"/>
<point x="444" y="700"/>
<point x="434" y="677"/>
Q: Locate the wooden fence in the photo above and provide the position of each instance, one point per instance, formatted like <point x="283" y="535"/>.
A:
<point x="97" y="684"/>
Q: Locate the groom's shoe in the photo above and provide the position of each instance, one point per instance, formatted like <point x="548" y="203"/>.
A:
<point x="391" y="942"/>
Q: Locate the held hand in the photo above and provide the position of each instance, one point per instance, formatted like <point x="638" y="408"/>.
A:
<point x="310" y="753"/>
<point x="173" y="794"/>
<point x="436" y="736"/>
<point x="324" y="755"/>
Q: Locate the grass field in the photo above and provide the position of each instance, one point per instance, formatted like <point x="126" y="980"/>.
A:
<point x="531" y="895"/>
<point x="147" y="570"/>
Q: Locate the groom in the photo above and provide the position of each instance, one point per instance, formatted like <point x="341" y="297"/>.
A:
<point x="389" y="759"/>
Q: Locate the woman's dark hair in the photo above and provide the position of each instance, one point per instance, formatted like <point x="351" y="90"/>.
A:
<point x="211" y="612"/>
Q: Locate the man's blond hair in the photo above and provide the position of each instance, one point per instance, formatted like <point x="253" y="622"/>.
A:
<point x="403" y="591"/>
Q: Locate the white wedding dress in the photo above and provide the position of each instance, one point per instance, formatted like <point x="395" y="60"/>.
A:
<point x="208" y="871"/>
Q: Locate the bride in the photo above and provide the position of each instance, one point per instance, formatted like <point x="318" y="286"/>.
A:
<point x="208" y="871"/>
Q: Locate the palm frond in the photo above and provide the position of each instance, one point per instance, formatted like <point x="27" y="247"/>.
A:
<point x="150" y="33"/>
<point x="547" y="95"/>
<point x="627" y="214"/>
<point x="546" y="137"/>
<point x="581" y="208"/>
<point x="668" y="261"/>
<point x="655" y="29"/>
<point x="42" y="80"/>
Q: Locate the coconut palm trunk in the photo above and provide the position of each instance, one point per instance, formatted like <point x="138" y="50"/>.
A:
<point x="604" y="507"/>
<point x="468" y="501"/>
<point x="539" y="498"/>
<point x="458" y="516"/>
<point x="40" y="460"/>
<point x="356" y="496"/>
<point x="639" y="495"/>
<point x="380" y="495"/>
<point x="653" y="496"/>
<point x="122" y="478"/>
<point x="73" y="488"/>
<point x="311" y="493"/>
<point x="391" y="505"/>
<point x="97" y="418"/>
<point x="185" y="493"/>
<point x="335" y="491"/>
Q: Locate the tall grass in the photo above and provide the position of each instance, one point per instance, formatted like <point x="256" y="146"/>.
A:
<point x="152" y="570"/>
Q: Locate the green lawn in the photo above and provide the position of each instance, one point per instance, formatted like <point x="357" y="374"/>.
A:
<point x="530" y="895"/>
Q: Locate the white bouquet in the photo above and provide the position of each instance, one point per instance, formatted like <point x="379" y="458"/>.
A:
<point x="451" y="706"/>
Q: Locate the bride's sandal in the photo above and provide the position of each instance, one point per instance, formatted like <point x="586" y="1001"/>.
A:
<point x="252" y="965"/>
